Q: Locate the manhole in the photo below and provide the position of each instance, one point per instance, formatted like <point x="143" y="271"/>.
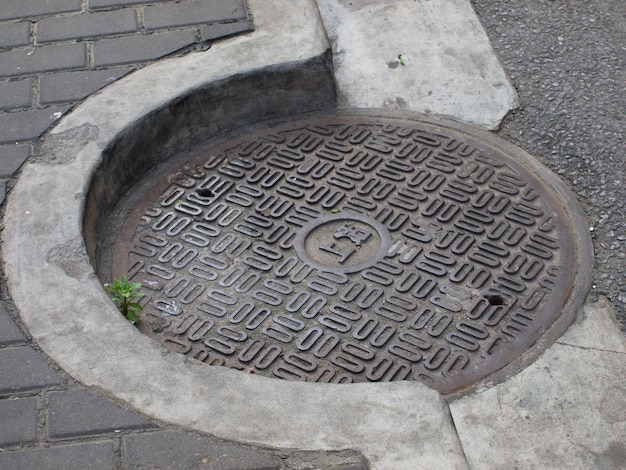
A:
<point x="350" y="249"/>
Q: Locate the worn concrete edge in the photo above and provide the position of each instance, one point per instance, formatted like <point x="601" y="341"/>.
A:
<point x="597" y="328"/>
<point x="224" y="107"/>
<point x="402" y="425"/>
<point x="557" y="406"/>
<point x="449" y="69"/>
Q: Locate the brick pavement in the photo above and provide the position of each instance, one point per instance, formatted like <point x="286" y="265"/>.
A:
<point x="54" y="54"/>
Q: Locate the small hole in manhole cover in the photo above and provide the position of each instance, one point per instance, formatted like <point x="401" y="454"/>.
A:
<point x="204" y="192"/>
<point x="350" y="249"/>
<point x="495" y="300"/>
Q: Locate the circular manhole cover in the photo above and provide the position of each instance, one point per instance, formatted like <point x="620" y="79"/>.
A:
<point x="351" y="249"/>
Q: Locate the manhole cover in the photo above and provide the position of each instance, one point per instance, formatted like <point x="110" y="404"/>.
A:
<point x="351" y="249"/>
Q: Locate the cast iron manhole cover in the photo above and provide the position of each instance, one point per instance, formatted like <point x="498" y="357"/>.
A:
<point x="351" y="249"/>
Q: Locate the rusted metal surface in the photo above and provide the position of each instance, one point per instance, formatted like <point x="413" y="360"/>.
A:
<point x="350" y="249"/>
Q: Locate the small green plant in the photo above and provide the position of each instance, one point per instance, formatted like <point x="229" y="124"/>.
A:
<point x="125" y="296"/>
<point x="334" y="211"/>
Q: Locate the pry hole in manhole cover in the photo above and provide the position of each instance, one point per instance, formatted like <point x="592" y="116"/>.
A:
<point x="350" y="249"/>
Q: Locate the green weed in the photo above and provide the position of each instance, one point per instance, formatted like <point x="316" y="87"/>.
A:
<point x="125" y="296"/>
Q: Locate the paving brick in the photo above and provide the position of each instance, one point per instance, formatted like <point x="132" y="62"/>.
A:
<point x="187" y="450"/>
<point x="27" y="60"/>
<point x="12" y="9"/>
<point x="86" y="25"/>
<point x="222" y="30"/>
<point x="74" y="86"/>
<point x="11" y="159"/>
<point x="140" y="48"/>
<point x="9" y="332"/>
<point x="22" y="368"/>
<point x="79" y="413"/>
<point x="192" y="12"/>
<point x="14" y="34"/>
<point x="117" y="3"/>
<point x="93" y="456"/>
<point x="18" y="421"/>
<point x="26" y="125"/>
<point x="15" y="94"/>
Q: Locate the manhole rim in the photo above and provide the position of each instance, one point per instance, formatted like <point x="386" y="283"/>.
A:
<point x="582" y="245"/>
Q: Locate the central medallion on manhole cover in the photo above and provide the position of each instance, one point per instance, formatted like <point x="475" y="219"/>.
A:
<point x="351" y="249"/>
<point x="342" y="243"/>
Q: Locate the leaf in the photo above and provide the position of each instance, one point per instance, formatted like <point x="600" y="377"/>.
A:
<point x="123" y="292"/>
<point x="132" y="317"/>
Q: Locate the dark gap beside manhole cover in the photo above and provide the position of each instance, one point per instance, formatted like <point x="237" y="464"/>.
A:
<point x="350" y="249"/>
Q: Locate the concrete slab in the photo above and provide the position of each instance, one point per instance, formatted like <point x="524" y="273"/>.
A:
<point x="567" y="410"/>
<point x="396" y="426"/>
<point x="596" y="328"/>
<point x="426" y="56"/>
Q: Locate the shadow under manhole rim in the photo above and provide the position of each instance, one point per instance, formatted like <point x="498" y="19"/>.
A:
<point x="349" y="248"/>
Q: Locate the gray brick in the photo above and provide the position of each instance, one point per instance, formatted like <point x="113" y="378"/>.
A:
<point x="14" y="34"/>
<point x="15" y="94"/>
<point x="86" y="25"/>
<point x="140" y="48"/>
<point x="81" y="413"/>
<point x="74" y="86"/>
<point x="28" y="8"/>
<point x="94" y="456"/>
<point x="18" y="421"/>
<point x="117" y="3"/>
<point x="11" y="159"/>
<point x="221" y="30"/>
<point x="192" y="12"/>
<point x="23" y="368"/>
<point x="26" y="60"/>
<point x="9" y="332"/>
<point x="187" y="450"/>
<point x="27" y="125"/>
